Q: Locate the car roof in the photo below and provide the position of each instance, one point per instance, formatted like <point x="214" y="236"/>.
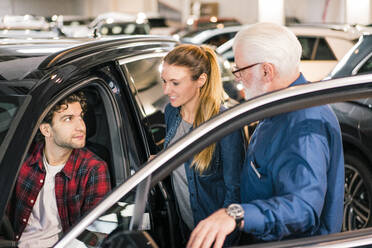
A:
<point x="350" y="34"/>
<point x="28" y="56"/>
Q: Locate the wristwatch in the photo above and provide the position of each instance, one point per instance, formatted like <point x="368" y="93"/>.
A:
<point x="237" y="212"/>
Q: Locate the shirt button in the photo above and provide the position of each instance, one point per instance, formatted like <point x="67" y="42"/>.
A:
<point x="24" y="220"/>
<point x="32" y="201"/>
<point x="17" y="237"/>
<point x="41" y="180"/>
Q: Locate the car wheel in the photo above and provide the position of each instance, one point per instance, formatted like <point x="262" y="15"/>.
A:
<point x="358" y="193"/>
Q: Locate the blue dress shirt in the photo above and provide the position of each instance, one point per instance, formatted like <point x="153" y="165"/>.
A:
<point x="292" y="184"/>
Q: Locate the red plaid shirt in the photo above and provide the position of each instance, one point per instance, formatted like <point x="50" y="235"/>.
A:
<point x="79" y="186"/>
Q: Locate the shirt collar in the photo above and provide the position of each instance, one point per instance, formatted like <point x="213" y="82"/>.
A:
<point x="300" y="80"/>
<point x="36" y="158"/>
<point x="69" y="168"/>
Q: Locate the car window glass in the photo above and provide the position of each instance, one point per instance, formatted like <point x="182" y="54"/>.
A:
<point x="307" y="44"/>
<point x="367" y="66"/>
<point x="148" y="84"/>
<point x="323" y="51"/>
<point x="218" y="40"/>
<point x="9" y="105"/>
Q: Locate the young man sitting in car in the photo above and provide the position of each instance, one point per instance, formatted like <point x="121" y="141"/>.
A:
<point x="60" y="181"/>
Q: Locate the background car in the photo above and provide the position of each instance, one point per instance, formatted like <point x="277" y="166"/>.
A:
<point x="322" y="46"/>
<point x="113" y="23"/>
<point x="137" y="192"/>
<point x="194" y="24"/>
<point x="355" y="118"/>
<point x="27" y="26"/>
<point x="72" y="26"/>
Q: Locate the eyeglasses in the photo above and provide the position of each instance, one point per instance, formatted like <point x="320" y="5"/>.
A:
<point x="237" y="70"/>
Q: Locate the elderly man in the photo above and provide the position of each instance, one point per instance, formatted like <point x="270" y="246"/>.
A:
<point x="292" y="183"/>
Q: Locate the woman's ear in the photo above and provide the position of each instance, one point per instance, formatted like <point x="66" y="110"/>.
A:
<point x="202" y="80"/>
<point x="45" y="129"/>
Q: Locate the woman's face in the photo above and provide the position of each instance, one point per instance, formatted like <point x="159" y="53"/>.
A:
<point x="179" y="87"/>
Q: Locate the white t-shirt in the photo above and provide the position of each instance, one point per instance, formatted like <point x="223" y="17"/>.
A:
<point x="44" y="225"/>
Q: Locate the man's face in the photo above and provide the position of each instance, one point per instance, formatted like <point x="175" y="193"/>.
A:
<point x="252" y="77"/>
<point x="68" y="129"/>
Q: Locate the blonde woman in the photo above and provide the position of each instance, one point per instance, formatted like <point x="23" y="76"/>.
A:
<point x="211" y="180"/>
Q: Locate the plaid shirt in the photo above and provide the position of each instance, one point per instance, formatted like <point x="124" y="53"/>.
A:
<point x="79" y="186"/>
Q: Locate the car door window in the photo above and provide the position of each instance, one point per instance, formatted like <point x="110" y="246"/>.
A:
<point x="145" y="76"/>
<point x="219" y="39"/>
<point x="323" y="51"/>
<point x="307" y="44"/>
<point x="13" y="102"/>
<point x="9" y="105"/>
<point x="315" y="48"/>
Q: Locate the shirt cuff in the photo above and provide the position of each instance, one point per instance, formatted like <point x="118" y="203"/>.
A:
<point x="254" y="220"/>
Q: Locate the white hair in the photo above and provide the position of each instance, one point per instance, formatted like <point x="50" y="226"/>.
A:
<point x="272" y="43"/>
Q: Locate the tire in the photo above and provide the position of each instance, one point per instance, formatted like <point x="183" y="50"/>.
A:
<point x="358" y="193"/>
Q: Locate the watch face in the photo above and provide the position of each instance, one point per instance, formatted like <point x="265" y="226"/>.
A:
<point x="236" y="211"/>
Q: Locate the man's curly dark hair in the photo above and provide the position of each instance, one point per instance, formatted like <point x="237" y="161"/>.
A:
<point x="74" y="97"/>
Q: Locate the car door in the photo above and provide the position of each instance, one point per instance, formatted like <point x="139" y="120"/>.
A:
<point x="258" y="108"/>
<point x="113" y="132"/>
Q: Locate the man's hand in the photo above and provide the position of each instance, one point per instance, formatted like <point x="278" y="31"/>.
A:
<point x="215" y="228"/>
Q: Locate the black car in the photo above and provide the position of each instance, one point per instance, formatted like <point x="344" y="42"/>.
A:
<point x="355" y="118"/>
<point x="121" y="80"/>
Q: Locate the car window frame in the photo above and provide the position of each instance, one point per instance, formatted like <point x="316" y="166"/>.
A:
<point x="356" y="69"/>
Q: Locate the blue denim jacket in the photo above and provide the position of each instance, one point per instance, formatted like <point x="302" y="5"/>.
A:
<point x="219" y="186"/>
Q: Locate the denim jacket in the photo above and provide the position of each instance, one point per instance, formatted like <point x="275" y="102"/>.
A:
<point x="219" y="186"/>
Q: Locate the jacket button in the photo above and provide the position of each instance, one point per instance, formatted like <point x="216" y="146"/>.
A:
<point x="32" y="201"/>
<point x="24" y="220"/>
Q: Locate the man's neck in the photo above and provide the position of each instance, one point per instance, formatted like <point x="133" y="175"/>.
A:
<point x="56" y="156"/>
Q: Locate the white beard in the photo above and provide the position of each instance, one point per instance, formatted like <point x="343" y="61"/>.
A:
<point x="257" y="87"/>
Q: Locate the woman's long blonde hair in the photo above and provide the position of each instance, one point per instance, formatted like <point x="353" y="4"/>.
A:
<point x="199" y="60"/>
